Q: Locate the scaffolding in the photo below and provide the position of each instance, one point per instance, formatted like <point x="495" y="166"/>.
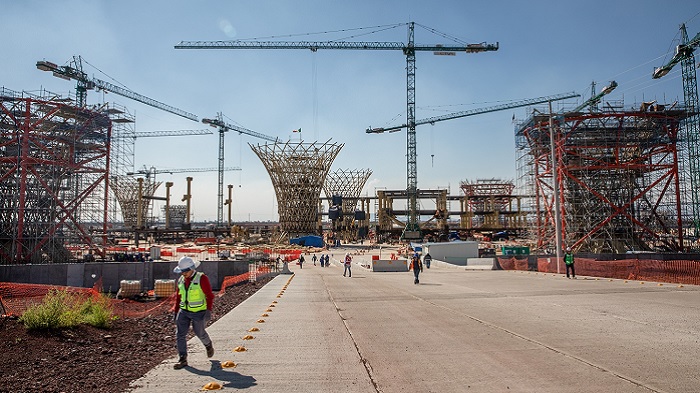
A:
<point x="54" y="166"/>
<point x="491" y="205"/>
<point x="387" y="215"/>
<point x="617" y="173"/>
<point x="177" y="215"/>
<point x="347" y="185"/>
<point x="122" y="152"/>
<point x="297" y="171"/>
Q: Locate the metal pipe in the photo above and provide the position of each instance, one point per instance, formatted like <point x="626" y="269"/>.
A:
<point x="555" y="184"/>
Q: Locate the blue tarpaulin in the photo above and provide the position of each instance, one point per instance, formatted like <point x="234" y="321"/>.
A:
<point x="309" y="241"/>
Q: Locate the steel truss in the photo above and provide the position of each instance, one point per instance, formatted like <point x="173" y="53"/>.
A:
<point x="489" y="204"/>
<point x="54" y="165"/>
<point x="618" y="176"/>
<point x="297" y="171"/>
<point x="134" y="197"/>
<point x="348" y="184"/>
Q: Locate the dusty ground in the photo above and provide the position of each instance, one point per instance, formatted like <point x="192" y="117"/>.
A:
<point x="92" y="360"/>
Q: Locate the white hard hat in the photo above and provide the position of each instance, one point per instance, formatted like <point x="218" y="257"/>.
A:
<point x="185" y="264"/>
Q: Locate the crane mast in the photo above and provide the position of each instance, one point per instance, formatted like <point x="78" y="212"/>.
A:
<point x="684" y="55"/>
<point x="412" y="230"/>
<point x="223" y="128"/>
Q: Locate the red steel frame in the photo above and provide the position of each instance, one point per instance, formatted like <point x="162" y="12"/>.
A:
<point x="580" y="164"/>
<point x="57" y="144"/>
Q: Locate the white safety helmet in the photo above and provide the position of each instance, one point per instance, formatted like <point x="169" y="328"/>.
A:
<point x="185" y="264"/>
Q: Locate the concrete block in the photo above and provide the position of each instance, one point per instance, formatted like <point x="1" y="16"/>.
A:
<point x="390" y="265"/>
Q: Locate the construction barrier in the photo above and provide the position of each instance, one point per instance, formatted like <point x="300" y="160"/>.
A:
<point x="676" y="271"/>
<point x="16" y="298"/>
<point x="389" y="265"/>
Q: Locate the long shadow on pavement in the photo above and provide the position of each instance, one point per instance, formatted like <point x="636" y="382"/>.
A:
<point x="230" y="379"/>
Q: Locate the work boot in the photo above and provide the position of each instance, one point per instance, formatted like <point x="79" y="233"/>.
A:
<point x="210" y="350"/>
<point x="181" y="363"/>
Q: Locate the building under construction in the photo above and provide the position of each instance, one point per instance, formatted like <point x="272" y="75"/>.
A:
<point x="54" y="160"/>
<point x="490" y="206"/>
<point x="298" y="171"/>
<point x="617" y="174"/>
<point x="342" y="188"/>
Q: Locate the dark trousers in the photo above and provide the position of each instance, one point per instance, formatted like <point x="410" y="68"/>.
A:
<point x="416" y="272"/>
<point x="573" y="272"/>
<point x="183" y="321"/>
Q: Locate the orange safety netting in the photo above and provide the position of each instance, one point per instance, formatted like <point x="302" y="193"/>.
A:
<point x="15" y="298"/>
<point x="678" y="271"/>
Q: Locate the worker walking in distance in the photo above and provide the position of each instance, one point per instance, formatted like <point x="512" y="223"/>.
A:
<point x="569" y="261"/>
<point x="417" y="267"/>
<point x="426" y="260"/>
<point x="348" y="264"/>
<point x="194" y="303"/>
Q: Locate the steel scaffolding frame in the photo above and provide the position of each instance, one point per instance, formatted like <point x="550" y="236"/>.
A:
<point x="54" y="166"/>
<point x="617" y="175"/>
<point x="122" y="152"/>
<point x="490" y="204"/>
<point x="298" y="171"/>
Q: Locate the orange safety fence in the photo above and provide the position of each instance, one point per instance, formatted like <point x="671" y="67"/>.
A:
<point x="16" y="298"/>
<point x="677" y="271"/>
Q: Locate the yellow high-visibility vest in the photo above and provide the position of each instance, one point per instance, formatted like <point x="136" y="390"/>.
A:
<point x="193" y="298"/>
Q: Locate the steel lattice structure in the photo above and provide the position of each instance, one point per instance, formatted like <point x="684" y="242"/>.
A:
<point x="130" y="195"/>
<point x="54" y="165"/>
<point x="490" y="204"/>
<point x="297" y="171"/>
<point x="618" y="176"/>
<point x="348" y="184"/>
<point x="177" y="215"/>
<point x="121" y="152"/>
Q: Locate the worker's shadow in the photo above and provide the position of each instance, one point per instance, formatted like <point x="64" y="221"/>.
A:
<point x="230" y="378"/>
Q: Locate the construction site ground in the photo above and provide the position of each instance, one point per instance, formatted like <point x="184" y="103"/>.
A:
<point x="458" y="330"/>
<point x="88" y="359"/>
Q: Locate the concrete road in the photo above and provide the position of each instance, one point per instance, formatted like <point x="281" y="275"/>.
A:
<point x="457" y="331"/>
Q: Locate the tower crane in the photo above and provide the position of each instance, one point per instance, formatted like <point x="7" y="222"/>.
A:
<point x="684" y="55"/>
<point x="472" y="112"/>
<point x="409" y="49"/>
<point x="75" y="71"/>
<point x="223" y="128"/>
<point x="595" y="99"/>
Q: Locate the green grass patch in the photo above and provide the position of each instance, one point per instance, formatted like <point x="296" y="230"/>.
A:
<point x="61" y="309"/>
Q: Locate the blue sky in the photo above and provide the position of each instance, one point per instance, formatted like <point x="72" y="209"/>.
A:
<point x="546" y="48"/>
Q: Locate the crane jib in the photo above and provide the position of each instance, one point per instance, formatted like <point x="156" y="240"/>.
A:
<point x="315" y="45"/>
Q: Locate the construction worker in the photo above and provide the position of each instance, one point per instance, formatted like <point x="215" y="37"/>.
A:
<point x="348" y="265"/>
<point x="194" y="304"/>
<point x="427" y="259"/>
<point x="569" y="261"/>
<point x="417" y="267"/>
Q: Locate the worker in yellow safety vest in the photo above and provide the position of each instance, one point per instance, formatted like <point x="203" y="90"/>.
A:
<point x="194" y="304"/>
